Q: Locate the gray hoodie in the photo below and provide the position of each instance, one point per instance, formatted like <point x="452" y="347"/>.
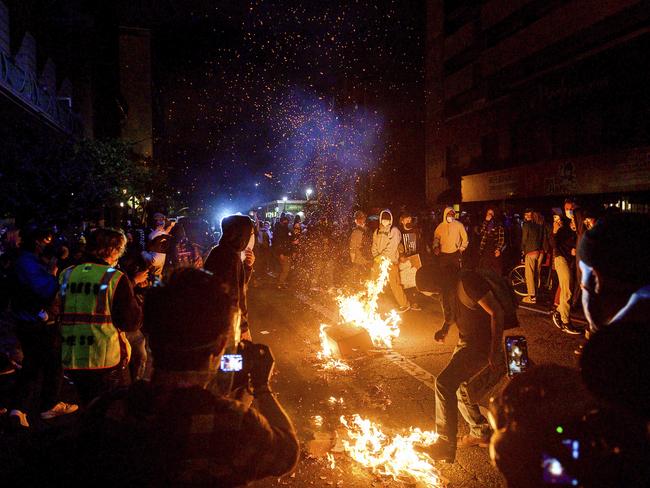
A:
<point x="386" y="240"/>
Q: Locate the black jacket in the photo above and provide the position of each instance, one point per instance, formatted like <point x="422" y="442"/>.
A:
<point x="225" y="263"/>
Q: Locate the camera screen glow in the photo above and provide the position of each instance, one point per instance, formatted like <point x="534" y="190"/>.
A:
<point x="232" y="362"/>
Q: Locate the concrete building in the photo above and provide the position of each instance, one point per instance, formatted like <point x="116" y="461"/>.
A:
<point x="537" y="99"/>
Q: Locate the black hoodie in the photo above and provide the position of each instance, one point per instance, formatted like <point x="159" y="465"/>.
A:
<point x="224" y="261"/>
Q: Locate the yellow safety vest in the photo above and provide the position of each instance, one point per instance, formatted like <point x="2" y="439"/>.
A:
<point x="90" y="340"/>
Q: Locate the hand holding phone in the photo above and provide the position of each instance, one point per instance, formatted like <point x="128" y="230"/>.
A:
<point x="516" y="355"/>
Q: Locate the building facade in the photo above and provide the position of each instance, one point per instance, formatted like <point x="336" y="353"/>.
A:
<point x="537" y="99"/>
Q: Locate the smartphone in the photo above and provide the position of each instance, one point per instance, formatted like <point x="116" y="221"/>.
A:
<point x="516" y="355"/>
<point x="232" y="362"/>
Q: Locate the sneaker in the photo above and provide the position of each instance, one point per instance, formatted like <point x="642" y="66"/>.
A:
<point x="569" y="328"/>
<point x="403" y="309"/>
<point x="439" y="452"/>
<point x="531" y="300"/>
<point x="415" y="307"/>
<point x="18" y="420"/>
<point x="59" y="409"/>
<point x="470" y="441"/>
<point x="557" y="319"/>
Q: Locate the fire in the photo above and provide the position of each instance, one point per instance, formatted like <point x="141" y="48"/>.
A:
<point x="391" y="456"/>
<point x="329" y="362"/>
<point x="361" y="310"/>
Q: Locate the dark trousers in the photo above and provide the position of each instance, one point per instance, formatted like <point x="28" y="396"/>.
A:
<point x="91" y="384"/>
<point x="451" y="394"/>
<point x="41" y="345"/>
<point x="449" y="263"/>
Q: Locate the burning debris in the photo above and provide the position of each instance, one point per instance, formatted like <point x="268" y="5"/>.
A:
<point x="394" y="456"/>
<point x="361" y="310"/>
<point x="361" y="328"/>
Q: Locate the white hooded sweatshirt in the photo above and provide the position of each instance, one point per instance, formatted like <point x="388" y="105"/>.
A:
<point x="386" y="239"/>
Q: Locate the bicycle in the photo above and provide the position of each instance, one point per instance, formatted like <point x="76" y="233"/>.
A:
<point x="545" y="285"/>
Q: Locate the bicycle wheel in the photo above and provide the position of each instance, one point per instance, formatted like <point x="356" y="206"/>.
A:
<point x="517" y="278"/>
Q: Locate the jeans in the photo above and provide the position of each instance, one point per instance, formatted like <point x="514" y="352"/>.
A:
<point x="452" y="394"/>
<point x="41" y="344"/>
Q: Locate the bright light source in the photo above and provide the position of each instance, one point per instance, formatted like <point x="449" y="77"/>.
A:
<point x="309" y="192"/>
<point x="121" y="204"/>
<point x="257" y="184"/>
<point x="284" y="199"/>
<point x="147" y="198"/>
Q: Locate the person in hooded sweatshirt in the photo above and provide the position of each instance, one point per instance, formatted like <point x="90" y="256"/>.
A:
<point x="231" y="262"/>
<point x="449" y="242"/>
<point x="385" y="243"/>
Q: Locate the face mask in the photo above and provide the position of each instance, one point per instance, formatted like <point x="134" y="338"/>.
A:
<point x="385" y="223"/>
<point x="450" y="219"/>
<point x="569" y="214"/>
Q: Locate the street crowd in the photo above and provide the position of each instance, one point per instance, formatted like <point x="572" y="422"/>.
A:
<point x="139" y="322"/>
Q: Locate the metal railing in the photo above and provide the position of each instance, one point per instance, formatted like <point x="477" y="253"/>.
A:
<point x="27" y="89"/>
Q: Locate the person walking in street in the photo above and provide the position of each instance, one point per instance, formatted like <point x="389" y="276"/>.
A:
<point x="532" y="248"/>
<point x="563" y="240"/>
<point x="385" y="244"/>
<point x="449" y="242"/>
<point x="98" y="306"/>
<point x="492" y="243"/>
<point x="37" y="331"/>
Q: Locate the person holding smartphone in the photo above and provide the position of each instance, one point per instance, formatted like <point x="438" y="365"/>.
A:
<point x="173" y="430"/>
<point x="480" y="321"/>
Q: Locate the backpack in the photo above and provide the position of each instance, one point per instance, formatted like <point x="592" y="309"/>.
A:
<point x="503" y="293"/>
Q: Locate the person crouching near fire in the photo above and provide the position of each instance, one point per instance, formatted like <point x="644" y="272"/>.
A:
<point x="478" y="356"/>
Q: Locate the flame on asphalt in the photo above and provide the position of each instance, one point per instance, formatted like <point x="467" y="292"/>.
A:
<point x="361" y="310"/>
<point x="393" y="456"/>
<point x="328" y="361"/>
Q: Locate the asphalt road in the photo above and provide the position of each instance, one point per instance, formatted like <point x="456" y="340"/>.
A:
<point x="389" y="389"/>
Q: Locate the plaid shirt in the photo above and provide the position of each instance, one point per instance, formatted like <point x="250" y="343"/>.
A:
<point x="172" y="435"/>
<point x="496" y="235"/>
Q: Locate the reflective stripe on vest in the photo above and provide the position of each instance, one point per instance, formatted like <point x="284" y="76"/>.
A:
<point x="90" y="340"/>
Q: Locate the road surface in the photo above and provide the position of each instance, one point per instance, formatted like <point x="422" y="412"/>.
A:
<point x="393" y="388"/>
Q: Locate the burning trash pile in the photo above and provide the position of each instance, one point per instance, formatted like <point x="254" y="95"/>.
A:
<point x="361" y="328"/>
<point x="394" y="456"/>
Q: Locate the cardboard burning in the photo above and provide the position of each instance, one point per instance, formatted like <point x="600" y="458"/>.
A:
<point x="347" y="341"/>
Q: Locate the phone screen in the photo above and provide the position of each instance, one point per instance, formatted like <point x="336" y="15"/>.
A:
<point x="516" y="355"/>
<point x="232" y="362"/>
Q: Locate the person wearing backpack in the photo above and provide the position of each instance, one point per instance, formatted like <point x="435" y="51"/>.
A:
<point x="480" y="307"/>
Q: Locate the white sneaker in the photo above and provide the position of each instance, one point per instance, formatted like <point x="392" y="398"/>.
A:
<point x="21" y="418"/>
<point x="59" y="409"/>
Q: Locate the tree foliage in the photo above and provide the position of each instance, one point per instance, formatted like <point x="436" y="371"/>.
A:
<point x="71" y="181"/>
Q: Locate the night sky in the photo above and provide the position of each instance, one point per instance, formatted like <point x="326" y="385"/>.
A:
<point x="290" y="95"/>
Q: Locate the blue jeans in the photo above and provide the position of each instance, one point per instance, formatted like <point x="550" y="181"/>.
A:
<point x="452" y="394"/>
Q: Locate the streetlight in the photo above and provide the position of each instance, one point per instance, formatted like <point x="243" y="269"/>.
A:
<point x="309" y="192"/>
<point x="284" y="208"/>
